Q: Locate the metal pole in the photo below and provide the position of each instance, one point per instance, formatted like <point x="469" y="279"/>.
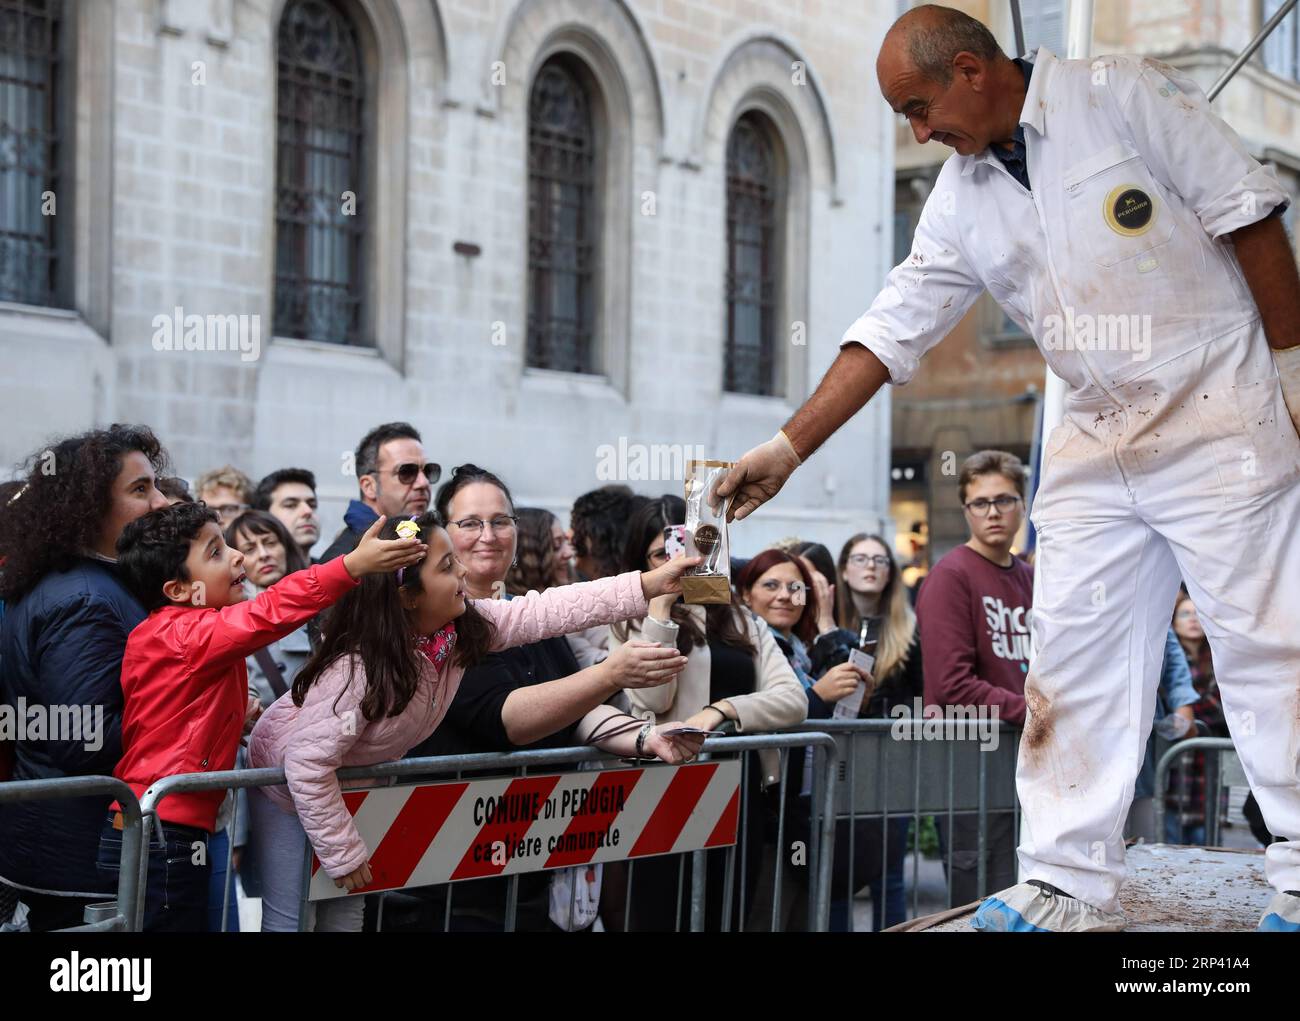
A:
<point x="1078" y="44"/>
<point x="1018" y="27"/>
<point x="1078" y="47"/>
<point x="1162" y="771"/>
<point x="1251" y="47"/>
<point x="781" y="791"/>
<point x="830" y="755"/>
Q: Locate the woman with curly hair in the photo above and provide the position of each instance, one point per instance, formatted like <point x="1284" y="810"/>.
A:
<point x="543" y="553"/>
<point x="67" y="618"/>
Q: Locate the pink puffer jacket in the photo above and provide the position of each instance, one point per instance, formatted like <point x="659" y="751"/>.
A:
<point x="312" y="742"/>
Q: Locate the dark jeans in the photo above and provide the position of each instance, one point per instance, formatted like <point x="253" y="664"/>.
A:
<point x="218" y="850"/>
<point x="999" y="854"/>
<point x="888" y="906"/>
<point x="176" y="899"/>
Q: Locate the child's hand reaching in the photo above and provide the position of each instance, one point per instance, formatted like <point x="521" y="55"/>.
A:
<point x="355" y="879"/>
<point x="374" y="555"/>
<point x="252" y="712"/>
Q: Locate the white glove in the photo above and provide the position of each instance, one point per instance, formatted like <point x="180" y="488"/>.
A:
<point x="1288" y="368"/>
<point x="758" y="476"/>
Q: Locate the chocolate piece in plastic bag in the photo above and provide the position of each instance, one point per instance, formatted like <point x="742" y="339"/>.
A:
<point x="706" y="534"/>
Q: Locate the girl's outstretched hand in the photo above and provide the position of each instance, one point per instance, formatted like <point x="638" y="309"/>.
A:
<point x="667" y="579"/>
<point x="374" y="555"/>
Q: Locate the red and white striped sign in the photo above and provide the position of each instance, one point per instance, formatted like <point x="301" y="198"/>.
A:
<point x="443" y="832"/>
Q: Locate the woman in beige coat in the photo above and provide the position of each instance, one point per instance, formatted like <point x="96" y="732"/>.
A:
<point x="735" y="674"/>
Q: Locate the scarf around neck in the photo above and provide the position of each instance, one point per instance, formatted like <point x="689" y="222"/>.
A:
<point x="437" y="646"/>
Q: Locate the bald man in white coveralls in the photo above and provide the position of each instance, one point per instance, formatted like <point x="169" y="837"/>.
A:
<point x="1126" y="227"/>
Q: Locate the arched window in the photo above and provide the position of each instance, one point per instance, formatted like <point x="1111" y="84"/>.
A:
<point x="32" y="69"/>
<point x="562" y="219"/>
<point x="752" y="259"/>
<point x="320" y="206"/>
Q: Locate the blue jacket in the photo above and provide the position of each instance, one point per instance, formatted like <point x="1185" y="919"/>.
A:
<point x="61" y="644"/>
<point x="1176" y="690"/>
<point x="356" y="520"/>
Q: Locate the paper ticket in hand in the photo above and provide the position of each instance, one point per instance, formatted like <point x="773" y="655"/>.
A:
<point x="851" y="704"/>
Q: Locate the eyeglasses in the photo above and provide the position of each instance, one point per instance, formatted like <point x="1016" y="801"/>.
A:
<point x="863" y="559"/>
<point x="407" y="473"/>
<point x="230" y="510"/>
<point x="980" y="507"/>
<point x="795" y="588"/>
<point x="475" y="526"/>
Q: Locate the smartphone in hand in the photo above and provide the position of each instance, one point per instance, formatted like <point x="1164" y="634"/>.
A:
<point x="675" y="541"/>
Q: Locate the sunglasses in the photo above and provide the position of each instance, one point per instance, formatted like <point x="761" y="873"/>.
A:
<point x="409" y="472"/>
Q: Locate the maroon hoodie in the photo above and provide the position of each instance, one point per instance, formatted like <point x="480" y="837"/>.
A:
<point x="974" y="622"/>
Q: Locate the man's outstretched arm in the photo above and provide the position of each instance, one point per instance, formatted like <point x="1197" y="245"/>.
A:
<point x="851" y="381"/>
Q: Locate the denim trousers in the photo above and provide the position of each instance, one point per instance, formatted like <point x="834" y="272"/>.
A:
<point x="176" y="896"/>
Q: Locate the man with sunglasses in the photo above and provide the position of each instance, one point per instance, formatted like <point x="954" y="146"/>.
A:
<point x="1139" y="242"/>
<point x="394" y="478"/>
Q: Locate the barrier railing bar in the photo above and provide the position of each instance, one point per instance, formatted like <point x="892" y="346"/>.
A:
<point x="133" y="856"/>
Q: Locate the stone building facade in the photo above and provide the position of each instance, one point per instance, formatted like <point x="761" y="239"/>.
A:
<point x="165" y="149"/>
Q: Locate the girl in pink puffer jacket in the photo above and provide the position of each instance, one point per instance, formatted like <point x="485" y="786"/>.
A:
<point x="374" y="690"/>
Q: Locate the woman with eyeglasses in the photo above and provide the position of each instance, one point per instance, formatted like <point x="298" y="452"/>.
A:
<point x="871" y="585"/>
<point x="531" y="696"/>
<point x="778" y="585"/>
<point x="735" y="677"/>
<point x="1185" y="801"/>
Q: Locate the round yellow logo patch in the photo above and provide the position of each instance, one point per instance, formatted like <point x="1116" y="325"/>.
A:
<point x="1129" y="210"/>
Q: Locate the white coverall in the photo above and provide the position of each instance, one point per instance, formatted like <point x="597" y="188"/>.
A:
<point x="1177" y="458"/>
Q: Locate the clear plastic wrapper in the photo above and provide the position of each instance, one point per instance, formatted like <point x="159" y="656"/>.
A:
<point x="706" y="534"/>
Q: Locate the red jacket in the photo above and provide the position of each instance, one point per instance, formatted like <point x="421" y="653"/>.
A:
<point x="185" y="685"/>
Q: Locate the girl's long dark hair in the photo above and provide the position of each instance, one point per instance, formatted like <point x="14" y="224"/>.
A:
<point x="370" y="624"/>
<point x="55" y="516"/>
<point x="721" y="620"/>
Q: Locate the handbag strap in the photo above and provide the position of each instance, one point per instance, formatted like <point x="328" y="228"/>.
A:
<point x="272" y="671"/>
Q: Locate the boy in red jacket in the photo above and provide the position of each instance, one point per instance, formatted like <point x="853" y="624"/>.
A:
<point x="185" y="685"/>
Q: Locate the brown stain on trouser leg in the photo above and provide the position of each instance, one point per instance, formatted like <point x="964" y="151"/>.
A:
<point x="1039" y="723"/>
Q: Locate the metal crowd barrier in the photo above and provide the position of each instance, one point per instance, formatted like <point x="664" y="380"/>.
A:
<point x="1218" y="774"/>
<point x="110" y="916"/>
<point x="519" y="764"/>
<point x="895" y="770"/>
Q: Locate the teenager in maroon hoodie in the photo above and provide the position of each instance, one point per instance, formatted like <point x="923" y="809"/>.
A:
<point x="185" y="684"/>
<point x="973" y="614"/>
